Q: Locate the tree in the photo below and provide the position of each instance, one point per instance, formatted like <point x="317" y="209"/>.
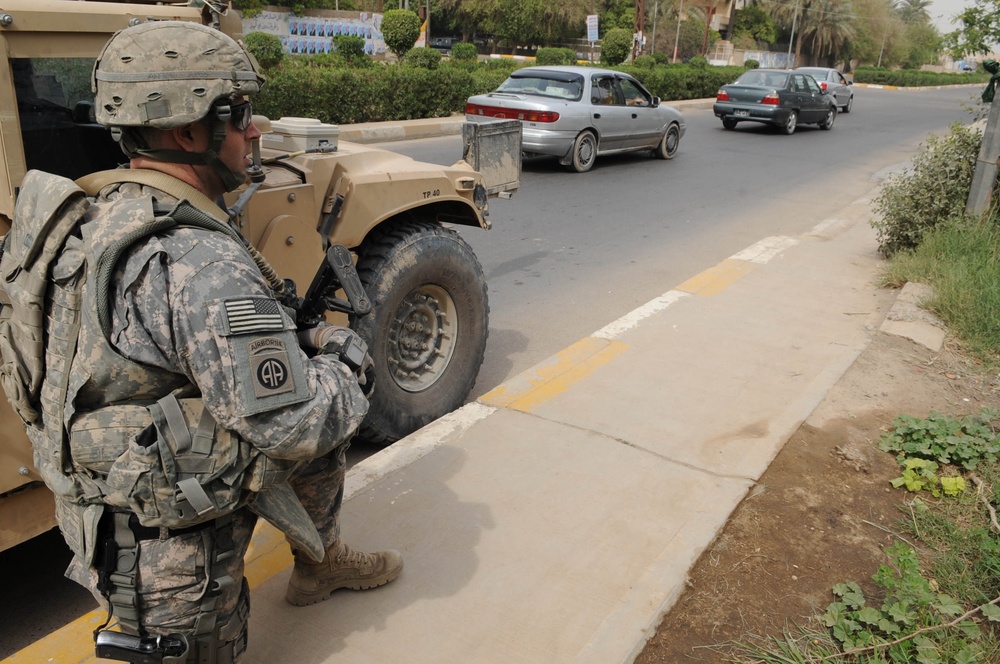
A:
<point x="914" y="11"/>
<point x="616" y="46"/>
<point x="980" y="30"/>
<point x="924" y="44"/>
<point x="826" y="30"/>
<point x="400" y="29"/>
<point x="752" y="21"/>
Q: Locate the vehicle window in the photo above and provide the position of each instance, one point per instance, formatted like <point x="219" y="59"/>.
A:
<point x="843" y="80"/>
<point x="603" y="91"/>
<point x="55" y="107"/>
<point x="779" y="81"/>
<point x="811" y="85"/>
<point x="634" y="95"/>
<point x="544" y="87"/>
<point x="752" y="78"/>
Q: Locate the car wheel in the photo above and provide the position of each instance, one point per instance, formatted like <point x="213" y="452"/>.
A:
<point x="669" y="143"/>
<point x="790" y="123"/>
<point x="427" y="333"/>
<point x="831" y="115"/>
<point x="850" y="102"/>
<point x="728" y="123"/>
<point x="584" y="152"/>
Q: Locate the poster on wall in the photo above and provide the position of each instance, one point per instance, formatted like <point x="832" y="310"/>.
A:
<point x="306" y="35"/>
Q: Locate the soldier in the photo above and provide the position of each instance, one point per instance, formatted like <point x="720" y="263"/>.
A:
<point x="191" y="346"/>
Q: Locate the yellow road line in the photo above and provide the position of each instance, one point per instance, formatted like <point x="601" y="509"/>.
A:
<point x="554" y="376"/>
<point x="715" y="279"/>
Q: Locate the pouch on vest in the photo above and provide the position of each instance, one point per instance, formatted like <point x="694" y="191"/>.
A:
<point x="182" y="470"/>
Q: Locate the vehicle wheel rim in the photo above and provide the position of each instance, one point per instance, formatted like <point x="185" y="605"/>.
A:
<point x="672" y="140"/>
<point x="829" y="118"/>
<point x="790" y="123"/>
<point x="586" y="151"/>
<point x="422" y="338"/>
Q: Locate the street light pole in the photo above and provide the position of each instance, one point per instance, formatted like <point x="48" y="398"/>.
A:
<point x="791" y="40"/>
<point x="677" y="37"/>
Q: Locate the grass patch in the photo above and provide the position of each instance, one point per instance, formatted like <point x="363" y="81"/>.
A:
<point x="961" y="261"/>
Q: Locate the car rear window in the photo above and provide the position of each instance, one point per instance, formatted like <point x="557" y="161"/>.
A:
<point x="564" y="87"/>
<point x="772" y="79"/>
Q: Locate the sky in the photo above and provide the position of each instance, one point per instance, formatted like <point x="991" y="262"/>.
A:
<point x="943" y="11"/>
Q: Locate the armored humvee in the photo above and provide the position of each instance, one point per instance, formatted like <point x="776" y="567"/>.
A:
<point x="427" y="331"/>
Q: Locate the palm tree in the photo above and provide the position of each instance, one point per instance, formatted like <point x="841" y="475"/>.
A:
<point x="828" y="28"/>
<point x="914" y="11"/>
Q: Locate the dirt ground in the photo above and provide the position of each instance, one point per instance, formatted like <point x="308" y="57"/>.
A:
<point x="823" y="511"/>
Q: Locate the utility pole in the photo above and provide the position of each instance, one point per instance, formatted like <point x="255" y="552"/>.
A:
<point x="985" y="176"/>
<point x="791" y="39"/>
<point x="677" y="37"/>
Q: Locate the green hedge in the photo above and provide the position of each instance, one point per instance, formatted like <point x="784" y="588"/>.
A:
<point x="680" y="81"/>
<point x="915" y="78"/>
<point x="317" y="88"/>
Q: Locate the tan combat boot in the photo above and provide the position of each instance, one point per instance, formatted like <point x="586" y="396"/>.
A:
<point x="343" y="567"/>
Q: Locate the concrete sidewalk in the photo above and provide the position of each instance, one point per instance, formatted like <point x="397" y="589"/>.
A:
<point x="556" y="519"/>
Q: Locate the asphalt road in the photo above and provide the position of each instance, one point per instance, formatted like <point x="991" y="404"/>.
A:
<point x="572" y="252"/>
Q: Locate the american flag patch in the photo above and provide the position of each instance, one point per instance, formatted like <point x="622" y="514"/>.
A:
<point x="253" y="314"/>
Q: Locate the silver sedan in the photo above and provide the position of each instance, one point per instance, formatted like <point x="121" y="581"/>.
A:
<point x="578" y="113"/>
<point x="832" y="81"/>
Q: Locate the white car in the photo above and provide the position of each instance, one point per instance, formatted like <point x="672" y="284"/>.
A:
<point x="578" y="113"/>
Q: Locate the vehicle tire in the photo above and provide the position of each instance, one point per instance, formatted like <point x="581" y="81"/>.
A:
<point x="427" y="333"/>
<point x="850" y="103"/>
<point x="831" y="117"/>
<point x="790" y="123"/>
<point x="584" y="152"/>
<point x="670" y="142"/>
<point x="729" y="123"/>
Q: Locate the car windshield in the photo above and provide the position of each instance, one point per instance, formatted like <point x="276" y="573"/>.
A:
<point x="543" y="86"/>
<point x="774" y="79"/>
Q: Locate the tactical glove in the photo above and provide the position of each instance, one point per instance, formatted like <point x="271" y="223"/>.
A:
<point x="344" y="344"/>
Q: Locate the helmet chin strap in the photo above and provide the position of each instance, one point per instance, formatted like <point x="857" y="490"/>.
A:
<point x="132" y="146"/>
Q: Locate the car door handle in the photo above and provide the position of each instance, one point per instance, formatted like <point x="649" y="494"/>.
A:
<point x="635" y="115"/>
<point x="597" y="116"/>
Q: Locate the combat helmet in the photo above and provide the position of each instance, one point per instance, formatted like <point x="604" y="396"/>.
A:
<point x="167" y="74"/>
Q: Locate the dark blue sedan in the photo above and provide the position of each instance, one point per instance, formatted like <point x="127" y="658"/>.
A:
<point x="779" y="97"/>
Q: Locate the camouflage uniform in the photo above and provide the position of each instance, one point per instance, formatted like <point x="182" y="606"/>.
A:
<point x="177" y="302"/>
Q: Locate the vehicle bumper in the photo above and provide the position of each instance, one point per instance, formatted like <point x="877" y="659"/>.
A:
<point x="754" y="112"/>
<point x="546" y="141"/>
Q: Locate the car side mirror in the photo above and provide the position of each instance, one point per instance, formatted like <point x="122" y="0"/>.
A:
<point x="656" y="102"/>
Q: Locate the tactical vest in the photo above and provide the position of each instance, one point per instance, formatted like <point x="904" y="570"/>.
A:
<point x="112" y="431"/>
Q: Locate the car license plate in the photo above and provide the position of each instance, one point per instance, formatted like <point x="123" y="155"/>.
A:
<point x="741" y="113"/>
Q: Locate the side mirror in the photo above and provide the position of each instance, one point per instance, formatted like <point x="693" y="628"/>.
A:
<point x="656" y="102"/>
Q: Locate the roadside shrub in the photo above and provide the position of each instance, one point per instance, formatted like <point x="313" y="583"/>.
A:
<point x="615" y="46"/>
<point x="698" y="61"/>
<point x="464" y="51"/>
<point x="682" y="81"/>
<point x="400" y="30"/>
<point x="661" y="58"/>
<point x="350" y="47"/>
<point x="915" y="77"/>
<point x="266" y="48"/>
<point x="550" y="56"/>
<point x="645" y="61"/>
<point x="428" y="58"/>
<point x="751" y="64"/>
<point x="372" y="94"/>
<point x="570" y="55"/>
<point x="931" y="191"/>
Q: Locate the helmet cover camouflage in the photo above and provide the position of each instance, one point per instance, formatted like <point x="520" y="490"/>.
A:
<point x="167" y="74"/>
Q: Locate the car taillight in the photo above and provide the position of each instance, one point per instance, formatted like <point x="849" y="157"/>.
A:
<point x="511" y="113"/>
<point x="722" y="96"/>
<point x="823" y="86"/>
<point x="770" y="99"/>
